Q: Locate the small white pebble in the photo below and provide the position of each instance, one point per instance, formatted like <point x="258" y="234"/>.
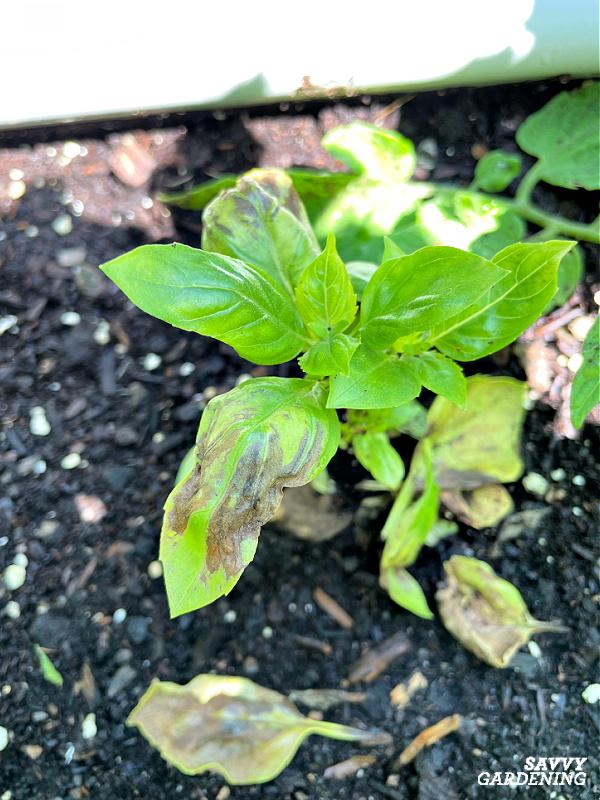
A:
<point x="575" y="362"/>
<point x="14" y="577"/>
<point x="39" y="467"/>
<point x="558" y="474"/>
<point x="31" y="231"/>
<point x="542" y="541"/>
<point x="119" y="616"/>
<point x="534" y="649"/>
<point x="70" y="318"/>
<point x="292" y="608"/>
<point x="597" y="298"/>
<point x="8" y="322"/>
<point x="71" y="461"/>
<point x="267" y="632"/>
<point x="88" y="726"/>
<point x="3" y="738"/>
<point x="562" y="360"/>
<point x="578" y="480"/>
<point x="158" y="437"/>
<point x="16" y="174"/>
<point x="21" y="559"/>
<point x="151" y="362"/>
<point x="535" y="483"/>
<point x="591" y="693"/>
<point x="16" y="189"/>
<point x="155" y="569"/>
<point x="12" y="609"/>
<point x="71" y="149"/>
<point x="186" y="369"/>
<point x="69" y="753"/>
<point x="38" y="423"/>
<point x="102" y="333"/>
<point x="62" y="225"/>
<point x="577" y="512"/>
<point x="230" y="616"/>
<point x="529" y="401"/>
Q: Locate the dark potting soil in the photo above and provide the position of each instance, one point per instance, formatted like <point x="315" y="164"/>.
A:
<point x="90" y="533"/>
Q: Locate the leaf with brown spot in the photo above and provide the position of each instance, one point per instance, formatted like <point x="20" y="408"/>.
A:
<point x="264" y="435"/>
<point x="232" y="726"/>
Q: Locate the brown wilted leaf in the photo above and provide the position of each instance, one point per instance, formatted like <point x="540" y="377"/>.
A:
<point x="333" y="608"/>
<point x="428" y="737"/>
<point x="401" y="693"/>
<point x="374" y="661"/>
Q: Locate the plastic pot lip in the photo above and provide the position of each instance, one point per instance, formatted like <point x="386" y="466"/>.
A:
<point x="257" y="62"/>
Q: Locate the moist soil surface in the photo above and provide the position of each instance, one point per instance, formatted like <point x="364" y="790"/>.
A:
<point x="90" y="533"/>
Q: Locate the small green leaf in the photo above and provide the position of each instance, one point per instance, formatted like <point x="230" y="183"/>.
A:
<point x="377" y="456"/>
<point x="391" y="250"/>
<point x="410" y="418"/>
<point x="360" y="273"/>
<point x="486" y="613"/>
<point x="564" y="137"/>
<point x="266" y="434"/>
<point x="262" y="222"/>
<point x="197" y="197"/>
<point x="417" y="292"/>
<point x="405" y="591"/>
<point x="49" y="671"/>
<point x="410" y="521"/>
<point x="232" y="726"/>
<point x="375" y="380"/>
<point x="585" y="392"/>
<point x="331" y="356"/>
<point x="509" y="307"/>
<point x="441" y="375"/>
<point x="324" y="295"/>
<point x="570" y="271"/>
<point x="379" y="153"/>
<point x="496" y="170"/>
<point x="480" y="444"/>
<point x="213" y="295"/>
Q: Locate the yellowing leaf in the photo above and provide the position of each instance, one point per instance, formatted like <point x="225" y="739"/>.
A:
<point x="480" y="508"/>
<point x="264" y="435"/>
<point x="486" y="613"/>
<point x="230" y="725"/>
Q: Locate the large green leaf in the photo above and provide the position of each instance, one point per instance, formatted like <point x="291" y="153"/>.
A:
<point x="470" y="221"/>
<point x="585" y="392"/>
<point x="478" y="445"/>
<point x="375" y="453"/>
<point x="264" y="435"/>
<point x="509" y="307"/>
<point x="418" y="292"/>
<point x="230" y="725"/>
<point x="262" y="221"/>
<point x="497" y="170"/>
<point x="375" y="380"/>
<point x="565" y="137"/>
<point x="213" y="295"/>
<point x="324" y="295"/>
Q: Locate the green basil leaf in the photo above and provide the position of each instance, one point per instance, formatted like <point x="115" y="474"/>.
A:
<point x="330" y="356"/>
<point x="324" y="295"/>
<point x="410" y="418"/>
<point x="570" y="272"/>
<point x="509" y="307"/>
<point x="360" y="273"/>
<point x="375" y="453"/>
<point x="441" y="375"/>
<point x="375" y="380"/>
<point x="497" y="170"/>
<point x="391" y="250"/>
<point x="410" y="521"/>
<point x="379" y="153"/>
<point x="585" y="392"/>
<point x="405" y="591"/>
<point x="417" y="292"/>
<point x="482" y="225"/>
<point x="478" y="445"/>
<point x="262" y="222"/>
<point x="213" y="295"/>
<point x="232" y="726"/>
<point x="266" y="434"/>
<point x="197" y="197"/>
<point x="564" y="137"/>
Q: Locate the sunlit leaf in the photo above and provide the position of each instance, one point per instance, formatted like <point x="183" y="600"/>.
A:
<point x="264" y="435"/>
<point x="585" y="393"/>
<point x="563" y="135"/>
<point x="405" y="591"/>
<point x="330" y="356"/>
<point x="497" y="170"/>
<point x="232" y="726"/>
<point x="486" y="613"/>
<point x="366" y="149"/>
<point x="49" y="671"/>
<point x="214" y="295"/>
<point x="441" y="375"/>
<point x="262" y="222"/>
<point x="375" y="380"/>
<point x="420" y="291"/>
<point x="496" y="318"/>
<point x="375" y="453"/>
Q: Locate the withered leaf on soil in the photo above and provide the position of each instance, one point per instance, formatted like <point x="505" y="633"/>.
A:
<point x="232" y="726"/>
<point x="324" y="699"/>
<point x="266" y="434"/>
<point x="427" y="737"/>
<point x="486" y="613"/>
<point x="374" y="661"/>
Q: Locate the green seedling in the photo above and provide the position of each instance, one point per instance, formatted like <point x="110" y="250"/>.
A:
<point x="49" y="671"/>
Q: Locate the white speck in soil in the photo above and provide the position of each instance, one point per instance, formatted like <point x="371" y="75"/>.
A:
<point x="151" y="361"/>
<point x="8" y="322"/>
<point x="31" y="231"/>
<point x="21" y="559"/>
<point x="119" y="616"/>
<point x="267" y="632"/>
<point x="69" y="753"/>
<point x="38" y="424"/>
<point x="70" y="318"/>
<point x="88" y="726"/>
<point x="62" y="225"/>
<point x="155" y="569"/>
<point x="71" y="461"/>
<point x="577" y="512"/>
<point x="591" y="693"/>
<point x="16" y="189"/>
<point x="102" y="333"/>
<point x="3" y="738"/>
<point x="39" y="467"/>
<point x="535" y="483"/>
<point x="578" y="480"/>
<point x="186" y="369"/>
<point x="14" y="577"/>
<point x="230" y="616"/>
<point x="12" y="609"/>
<point x="558" y="474"/>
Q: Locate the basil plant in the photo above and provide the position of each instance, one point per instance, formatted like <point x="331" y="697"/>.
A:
<point x="364" y="339"/>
